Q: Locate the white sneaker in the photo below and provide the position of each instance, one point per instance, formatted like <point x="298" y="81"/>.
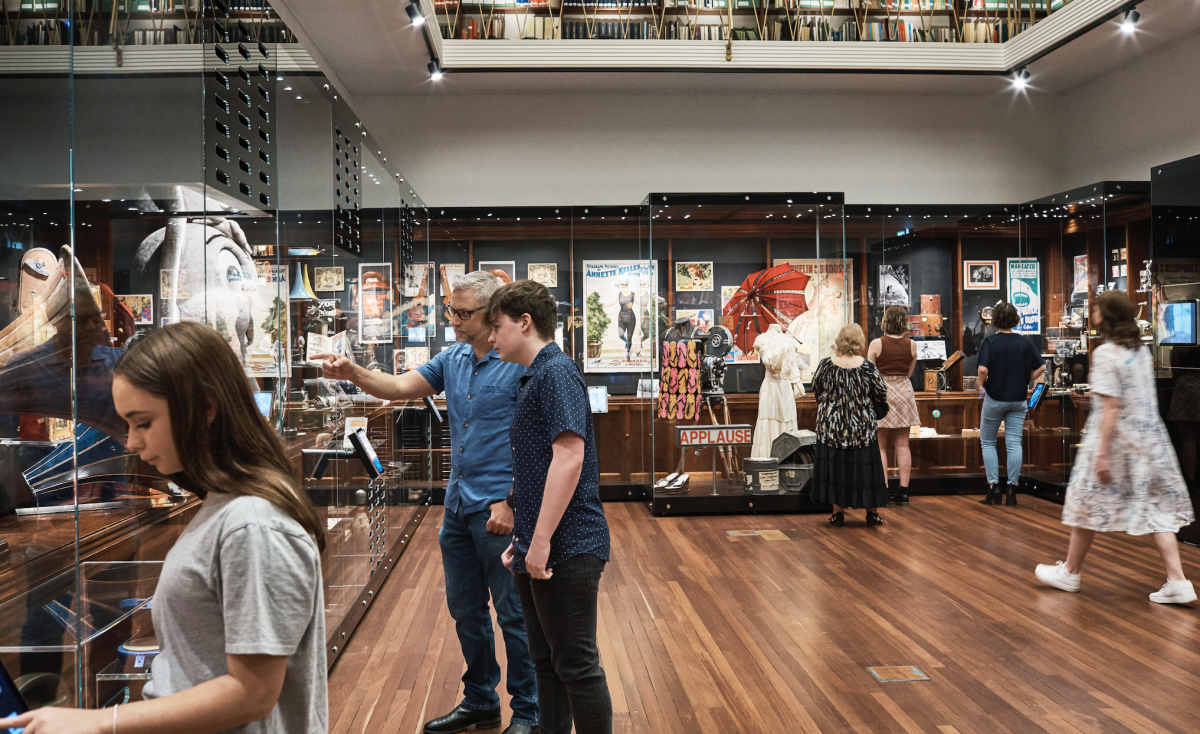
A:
<point x="1058" y="577"/>
<point x="1174" y="592"/>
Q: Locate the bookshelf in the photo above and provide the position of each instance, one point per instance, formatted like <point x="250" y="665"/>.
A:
<point x="130" y="22"/>
<point x="920" y="21"/>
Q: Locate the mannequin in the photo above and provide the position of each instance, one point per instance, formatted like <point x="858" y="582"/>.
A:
<point x="780" y="387"/>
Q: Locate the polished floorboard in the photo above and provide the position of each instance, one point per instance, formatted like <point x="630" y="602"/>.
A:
<point x="702" y="631"/>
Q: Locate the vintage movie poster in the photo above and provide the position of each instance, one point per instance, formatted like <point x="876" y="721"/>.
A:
<point x="267" y="349"/>
<point x="619" y="324"/>
<point x="894" y="285"/>
<point x="695" y="276"/>
<point x="1025" y="293"/>
<point x="416" y="318"/>
<point x="1081" y="274"/>
<point x="702" y="319"/>
<point x="727" y="292"/>
<point x="142" y="306"/>
<point x="448" y="272"/>
<point x="373" y="300"/>
<point x="828" y="297"/>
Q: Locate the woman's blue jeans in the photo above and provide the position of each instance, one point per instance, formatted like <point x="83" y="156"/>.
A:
<point x="1013" y="415"/>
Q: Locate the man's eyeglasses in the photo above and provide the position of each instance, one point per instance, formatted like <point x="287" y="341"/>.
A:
<point x="462" y="314"/>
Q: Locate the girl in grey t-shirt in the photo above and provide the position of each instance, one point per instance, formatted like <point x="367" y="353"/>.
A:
<point x="239" y="608"/>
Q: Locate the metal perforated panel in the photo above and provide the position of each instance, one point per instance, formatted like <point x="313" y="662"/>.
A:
<point x="347" y="185"/>
<point x="239" y="108"/>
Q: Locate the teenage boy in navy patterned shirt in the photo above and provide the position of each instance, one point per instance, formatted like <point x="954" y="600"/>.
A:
<point x="560" y="535"/>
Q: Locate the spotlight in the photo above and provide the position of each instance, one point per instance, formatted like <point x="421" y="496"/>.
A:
<point x="1021" y="78"/>
<point x="1129" y="25"/>
<point x="435" y="71"/>
<point x="415" y="14"/>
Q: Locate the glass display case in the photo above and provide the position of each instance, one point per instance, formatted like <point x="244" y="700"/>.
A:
<point x="1174" y="288"/>
<point x="228" y="184"/>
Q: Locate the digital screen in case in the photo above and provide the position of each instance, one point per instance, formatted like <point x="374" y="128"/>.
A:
<point x="1177" y="323"/>
<point x="598" y="398"/>
<point x="366" y="453"/>
<point x="264" y="400"/>
<point x="11" y="703"/>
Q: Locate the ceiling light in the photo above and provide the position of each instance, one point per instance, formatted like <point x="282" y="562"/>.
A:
<point x="1021" y="78"/>
<point x="415" y="14"/>
<point x="435" y="71"/>
<point x="1129" y="25"/>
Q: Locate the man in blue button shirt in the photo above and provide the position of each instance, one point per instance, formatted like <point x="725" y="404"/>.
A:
<point x="481" y="392"/>
<point x="560" y="535"/>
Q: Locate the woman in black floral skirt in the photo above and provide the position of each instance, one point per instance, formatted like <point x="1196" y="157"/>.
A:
<point x="848" y="470"/>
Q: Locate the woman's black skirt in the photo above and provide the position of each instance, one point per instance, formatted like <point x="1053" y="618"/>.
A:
<point x="850" y="477"/>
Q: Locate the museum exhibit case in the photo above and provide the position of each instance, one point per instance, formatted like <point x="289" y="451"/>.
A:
<point x="222" y="180"/>
<point x="1174" y="289"/>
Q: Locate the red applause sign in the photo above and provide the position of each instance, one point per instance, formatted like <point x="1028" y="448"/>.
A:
<point x="732" y="435"/>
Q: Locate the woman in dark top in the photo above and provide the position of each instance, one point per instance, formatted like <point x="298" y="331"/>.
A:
<point x="848" y="471"/>
<point x="1008" y="362"/>
<point x="896" y="355"/>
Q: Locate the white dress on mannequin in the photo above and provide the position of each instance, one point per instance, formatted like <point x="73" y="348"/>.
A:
<point x="780" y="387"/>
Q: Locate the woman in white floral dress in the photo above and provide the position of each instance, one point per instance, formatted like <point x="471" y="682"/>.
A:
<point x="1126" y="476"/>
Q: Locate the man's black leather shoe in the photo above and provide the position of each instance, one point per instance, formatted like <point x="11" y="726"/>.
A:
<point x="520" y="729"/>
<point x="462" y="718"/>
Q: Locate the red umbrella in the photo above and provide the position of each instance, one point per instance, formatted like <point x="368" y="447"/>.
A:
<point x="772" y="296"/>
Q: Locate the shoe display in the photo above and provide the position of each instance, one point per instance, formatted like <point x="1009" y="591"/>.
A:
<point x="463" y="718"/>
<point x="666" y="481"/>
<point x="521" y="729"/>
<point x="678" y="485"/>
<point x="1058" y="577"/>
<point x="837" y="519"/>
<point x="993" y="494"/>
<point x="874" y="519"/>
<point x="1175" y="592"/>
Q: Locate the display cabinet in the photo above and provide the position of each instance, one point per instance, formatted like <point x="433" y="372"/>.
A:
<point x="236" y="188"/>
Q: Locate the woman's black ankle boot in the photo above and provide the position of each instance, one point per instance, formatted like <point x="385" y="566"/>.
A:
<point x="993" y="495"/>
<point x="1010" y="498"/>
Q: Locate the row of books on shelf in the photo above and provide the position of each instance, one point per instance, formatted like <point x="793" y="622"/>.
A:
<point x="54" y="33"/>
<point x="474" y="29"/>
<point x="878" y="6"/>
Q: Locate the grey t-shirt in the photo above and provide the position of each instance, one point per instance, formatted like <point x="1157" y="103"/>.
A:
<point x="244" y="578"/>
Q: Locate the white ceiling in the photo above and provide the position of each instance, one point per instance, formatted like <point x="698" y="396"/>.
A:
<point x="370" y="49"/>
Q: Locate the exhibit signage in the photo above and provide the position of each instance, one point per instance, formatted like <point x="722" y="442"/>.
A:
<point x="731" y="435"/>
<point x="1025" y="293"/>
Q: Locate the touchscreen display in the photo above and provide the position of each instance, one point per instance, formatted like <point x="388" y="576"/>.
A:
<point x="1177" y="323"/>
<point x="264" y="400"/>
<point x="598" y="398"/>
<point x="366" y="453"/>
<point x="1038" y="390"/>
<point x="11" y="703"/>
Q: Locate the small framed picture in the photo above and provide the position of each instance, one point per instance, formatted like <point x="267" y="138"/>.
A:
<point x="693" y="276"/>
<point x="981" y="275"/>
<point x="142" y="306"/>
<point x="505" y="270"/>
<point x="544" y="273"/>
<point x="329" y="279"/>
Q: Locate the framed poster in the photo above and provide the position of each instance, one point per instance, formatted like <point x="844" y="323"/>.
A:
<point x="329" y="279"/>
<point x="620" y="329"/>
<point x="505" y="270"/>
<point x="142" y="306"/>
<point x="702" y="319"/>
<point x="268" y="353"/>
<point x="981" y="275"/>
<point x="449" y="271"/>
<point x="894" y="285"/>
<point x="1025" y="293"/>
<point x="695" y="276"/>
<point x="827" y="296"/>
<point x="416" y="309"/>
<point x="1081" y="274"/>
<point x="166" y="286"/>
<point x="373" y="297"/>
<point x="727" y="292"/>
<point x="544" y="273"/>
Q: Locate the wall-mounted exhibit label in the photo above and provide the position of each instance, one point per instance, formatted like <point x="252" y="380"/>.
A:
<point x="733" y="435"/>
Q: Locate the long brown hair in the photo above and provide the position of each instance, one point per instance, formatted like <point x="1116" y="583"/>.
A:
<point x="895" y="321"/>
<point x="188" y="364"/>
<point x="1118" y="315"/>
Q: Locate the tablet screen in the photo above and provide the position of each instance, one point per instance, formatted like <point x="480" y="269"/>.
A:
<point x="366" y="453"/>
<point x="264" y="400"/>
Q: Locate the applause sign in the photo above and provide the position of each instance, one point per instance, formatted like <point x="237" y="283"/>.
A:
<point x="734" y="435"/>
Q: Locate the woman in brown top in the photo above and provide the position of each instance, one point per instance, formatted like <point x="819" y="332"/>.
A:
<point x="896" y="356"/>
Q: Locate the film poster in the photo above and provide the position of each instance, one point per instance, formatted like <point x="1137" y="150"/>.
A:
<point x="1025" y="293"/>
<point x="828" y="297"/>
<point x="619" y="324"/>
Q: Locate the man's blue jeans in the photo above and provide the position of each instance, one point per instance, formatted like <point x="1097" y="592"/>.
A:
<point x="471" y="562"/>
<point x="1013" y="415"/>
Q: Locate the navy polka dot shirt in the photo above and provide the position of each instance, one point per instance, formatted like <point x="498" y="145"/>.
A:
<point x="554" y="399"/>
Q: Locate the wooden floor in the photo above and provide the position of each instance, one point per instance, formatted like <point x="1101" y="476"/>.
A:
<point x="704" y="632"/>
